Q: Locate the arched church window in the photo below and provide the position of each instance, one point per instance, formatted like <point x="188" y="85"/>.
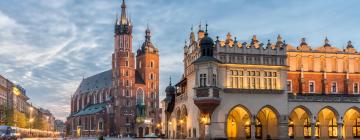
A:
<point x="151" y="64"/>
<point x="139" y="97"/>
<point x="151" y="76"/>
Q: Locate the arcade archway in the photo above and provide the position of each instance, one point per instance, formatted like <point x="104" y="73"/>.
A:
<point x="326" y="124"/>
<point x="299" y="123"/>
<point x="267" y="123"/>
<point x="351" y="127"/>
<point x="239" y="123"/>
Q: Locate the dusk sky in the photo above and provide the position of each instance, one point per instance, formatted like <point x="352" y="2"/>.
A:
<point x="47" y="46"/>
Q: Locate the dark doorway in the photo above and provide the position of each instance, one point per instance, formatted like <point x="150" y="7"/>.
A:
<point x="147" y="131"/>
<point x="141" y="132"/>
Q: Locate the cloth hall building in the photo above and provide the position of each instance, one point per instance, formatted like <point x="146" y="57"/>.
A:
<point x="254" y="90"/>
<point x="123" y="100"/>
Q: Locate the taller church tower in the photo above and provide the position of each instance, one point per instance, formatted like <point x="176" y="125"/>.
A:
<point x="123" y="69"/>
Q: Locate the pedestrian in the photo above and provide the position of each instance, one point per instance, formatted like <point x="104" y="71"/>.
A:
<point x="101" y="137"/>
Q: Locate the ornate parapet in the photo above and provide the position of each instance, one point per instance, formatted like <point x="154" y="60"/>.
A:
<point x="253" y="91"/>
<point x="336" y="98"/>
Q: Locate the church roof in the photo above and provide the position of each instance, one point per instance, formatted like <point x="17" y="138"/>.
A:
<point x="92" y="109"/>
<point x="95" y="82"/>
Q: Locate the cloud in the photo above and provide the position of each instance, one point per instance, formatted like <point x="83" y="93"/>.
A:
<point x="49" y="45"/>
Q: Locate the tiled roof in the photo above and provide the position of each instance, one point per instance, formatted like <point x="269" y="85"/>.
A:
<point x="92" y="109"/>
<point x="95" y="82"/>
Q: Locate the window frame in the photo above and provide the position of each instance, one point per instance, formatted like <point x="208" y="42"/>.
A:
<point x="336" y="87"/>
<point x="290" y="81"/>
<point x="312" y="81"/>
<point x="356" y="83"/>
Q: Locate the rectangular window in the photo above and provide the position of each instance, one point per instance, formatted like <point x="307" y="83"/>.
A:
<point x="202" y="80"/>
<point x="312" y="86"/>
<point x="356" y="88"/>
<point x="333" y="87"/>
<point x="289" y="86"/>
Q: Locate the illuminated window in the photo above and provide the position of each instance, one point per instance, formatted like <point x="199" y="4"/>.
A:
<point x="317" y="129"/>
<point x="356" y="88"/>
<point x="332" y="128"/>
<point x="333" y="87"/>
<point x="289" y="85"/>
<point x="307" y="128"/>
<point x="356" y="128"/>
<point x="258" y="129"/>
<point x="312" y="86"/>
<point x="248" y="130"/>
<point x="291" y="129"/>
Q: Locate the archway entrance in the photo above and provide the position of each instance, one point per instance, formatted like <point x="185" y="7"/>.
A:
<point x="147" y="131"/>
<point x="238" y="123"/>
<point x="299" y="123"/>
<point x="183" y="122"/>
<point x="326" y="123"/>
<point x="141" y="132"/>
<point x="267" y="123"/>
<point x="351" y="127"/>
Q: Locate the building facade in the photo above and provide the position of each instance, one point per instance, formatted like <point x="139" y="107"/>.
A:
<point x="233" y="89"/>
<point x="3" y="99"/>
<point x="129" y="99"/>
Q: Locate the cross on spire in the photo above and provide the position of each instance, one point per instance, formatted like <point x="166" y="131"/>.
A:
<point x="170" y="81"/>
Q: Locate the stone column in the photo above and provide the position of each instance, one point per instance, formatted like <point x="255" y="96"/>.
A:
<point x="313" y="137"/>
<point x="283" y="130"/>
<point x="340" y="125"/>
<point x="253" y="130"/>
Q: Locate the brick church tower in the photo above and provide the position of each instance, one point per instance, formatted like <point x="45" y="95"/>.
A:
<point x="136" y="88"/>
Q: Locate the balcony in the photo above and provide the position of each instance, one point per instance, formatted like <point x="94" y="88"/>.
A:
<point x="333" y="98"/>
<point x="207" y="92"/>
<point x="207" y="98"/>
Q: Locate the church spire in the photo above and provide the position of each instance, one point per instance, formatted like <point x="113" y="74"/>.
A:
<point x="123" y="18"/>
<point x="147" y="33"/>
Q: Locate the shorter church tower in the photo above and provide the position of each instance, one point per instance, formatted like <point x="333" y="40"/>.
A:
<point x="147" y="68"/>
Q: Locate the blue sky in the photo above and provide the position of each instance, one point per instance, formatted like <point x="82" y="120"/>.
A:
<point x="48" y="45"/>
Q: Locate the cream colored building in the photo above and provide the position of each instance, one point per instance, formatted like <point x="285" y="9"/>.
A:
<point x="233" y="89"/>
